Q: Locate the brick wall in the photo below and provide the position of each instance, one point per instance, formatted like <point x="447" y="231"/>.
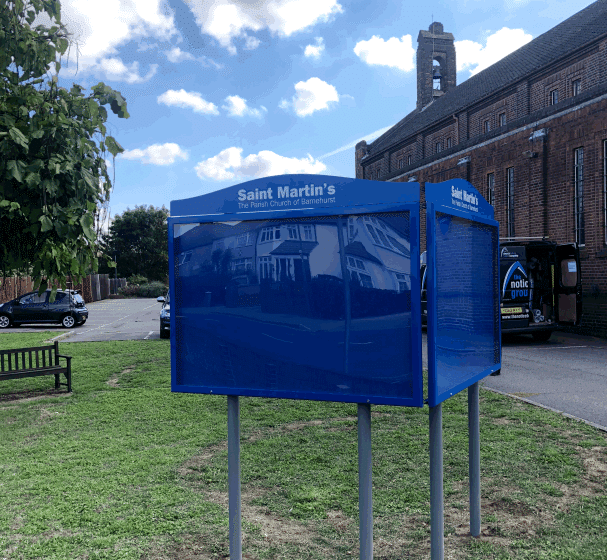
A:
<point x="588" y="67"/>
<point x="440" y="137"/>
<point x="491" y="113"/>
<point x="544" y="191"/>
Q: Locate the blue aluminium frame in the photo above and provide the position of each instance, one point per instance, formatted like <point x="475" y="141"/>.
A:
<point x="348" y="197"/>
<point x="440" y="198"/>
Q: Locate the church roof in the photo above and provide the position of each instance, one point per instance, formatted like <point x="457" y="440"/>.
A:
<point x="570" y="35"/>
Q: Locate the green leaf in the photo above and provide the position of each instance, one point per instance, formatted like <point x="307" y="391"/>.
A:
<point x="113" y="147"/>
<point x="18" y="137"/>
<point x="15" y="169"/>
<point x="93" y="107"/>
<point x="43" y="287"/>
<point x="86" y="222"/>
<point x="74" y="266"/>
<point x="46" y="223"/>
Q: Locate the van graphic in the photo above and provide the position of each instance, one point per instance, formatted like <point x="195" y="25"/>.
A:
<point x="516" y="283"/>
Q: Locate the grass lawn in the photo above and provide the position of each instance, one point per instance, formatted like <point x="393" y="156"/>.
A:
<point x="124" y="469"/>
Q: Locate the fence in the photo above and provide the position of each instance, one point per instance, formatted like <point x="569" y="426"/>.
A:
<point x="94" y="287"/>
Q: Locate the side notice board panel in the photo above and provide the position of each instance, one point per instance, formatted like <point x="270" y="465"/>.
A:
<point x="464" y="338"/>
<point x="298" y="286"/>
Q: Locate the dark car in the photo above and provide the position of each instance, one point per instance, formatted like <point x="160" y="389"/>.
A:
<point x="165" y="317"/>
<point x="68" y="309"/>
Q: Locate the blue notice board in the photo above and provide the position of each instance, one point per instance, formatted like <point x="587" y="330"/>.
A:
<point x="464" y="330"/>
<point x="298" y="286"/>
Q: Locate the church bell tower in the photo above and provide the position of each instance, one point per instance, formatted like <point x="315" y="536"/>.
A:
<point x="436" y="68"/>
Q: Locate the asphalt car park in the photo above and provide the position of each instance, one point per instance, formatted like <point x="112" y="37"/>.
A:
<point x="109" y="319"/>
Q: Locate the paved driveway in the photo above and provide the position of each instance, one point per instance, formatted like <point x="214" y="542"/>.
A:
<point x="110" y="319"/>
<point x="568" y="373"/>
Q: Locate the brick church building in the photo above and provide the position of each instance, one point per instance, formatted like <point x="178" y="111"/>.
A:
<point x="529" y="132"/>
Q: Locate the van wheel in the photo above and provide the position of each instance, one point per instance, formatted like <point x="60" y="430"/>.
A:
<point x="542" y="336"/>
<point x="68" y="321"/>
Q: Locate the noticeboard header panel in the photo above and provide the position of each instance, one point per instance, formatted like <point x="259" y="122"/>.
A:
<point x="293" y="193"/>
<point x="299" y="303"/>
<point x="464" y="337"/>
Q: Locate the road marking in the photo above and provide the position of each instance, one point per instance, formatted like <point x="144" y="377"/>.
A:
<point x="149" y="334"/>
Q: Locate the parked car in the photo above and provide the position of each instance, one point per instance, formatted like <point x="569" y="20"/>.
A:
<point x="165" y="317"/>
<point x="68" y="309"/>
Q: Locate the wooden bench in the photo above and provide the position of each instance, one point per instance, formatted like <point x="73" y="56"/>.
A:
<point x="31" y="362"/>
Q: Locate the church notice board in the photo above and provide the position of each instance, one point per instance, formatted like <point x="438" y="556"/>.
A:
<point x="298" y="286"/>
<point x="464" y="330"/>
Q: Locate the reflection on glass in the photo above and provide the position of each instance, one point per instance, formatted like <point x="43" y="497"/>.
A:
<point x="311" y="304"/>
<point x="467" y="326"/>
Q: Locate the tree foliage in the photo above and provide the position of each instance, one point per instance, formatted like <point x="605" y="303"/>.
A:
<point x="53" y="145"/>
<point x="139" y="240"/>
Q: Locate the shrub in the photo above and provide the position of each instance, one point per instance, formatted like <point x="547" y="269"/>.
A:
<point x="148" y="290"/>
<point x="137" y="279"/>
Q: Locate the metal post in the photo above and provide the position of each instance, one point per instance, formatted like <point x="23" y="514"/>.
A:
<point x="234" y="477"/>
<point x="474" y="465"/>
<point x="437" y="536"/>
<point x="365" y="483"/>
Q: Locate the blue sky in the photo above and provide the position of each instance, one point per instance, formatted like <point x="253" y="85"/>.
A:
<point x="225" y="91"/>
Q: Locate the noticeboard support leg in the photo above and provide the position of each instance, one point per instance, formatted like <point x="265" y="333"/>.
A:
<point x="234" y="477"/>
<point x="437" y="540"/>
<point x="474" y="466"/>
<point x="365" y="483"/>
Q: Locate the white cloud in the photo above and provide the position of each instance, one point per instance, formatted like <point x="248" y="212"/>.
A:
<point x="157" y="154"/>
<point x="206" y="61"/>
<point x="237" y="107"/>
<point x="251" y="43"/>
<point x="312" y="95"/>
<point x="229" y="164"/>
<point x="99" y="28"/>
<point x="395" y="53"/>
<point x="226" y="20"/>
<point x="114" y="69"/>
<point x="176" y="55"/>
<point x="475" y="57"/>
<point x="315" y="51"/>
<point x="145" y="46"/>
<point x="188" y="100"/>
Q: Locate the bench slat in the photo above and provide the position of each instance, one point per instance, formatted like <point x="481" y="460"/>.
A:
<point x="33" y="373"/>
<point x="33" y="348"/>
